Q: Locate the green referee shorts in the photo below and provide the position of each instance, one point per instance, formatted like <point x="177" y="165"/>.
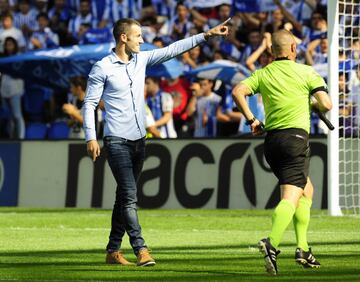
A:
<point x="287" y="151"/>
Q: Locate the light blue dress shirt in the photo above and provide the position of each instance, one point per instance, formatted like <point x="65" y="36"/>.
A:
<point x="121" y="86"/>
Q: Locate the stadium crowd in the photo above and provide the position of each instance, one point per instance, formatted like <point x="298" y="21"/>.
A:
<point x="184" y="106"/>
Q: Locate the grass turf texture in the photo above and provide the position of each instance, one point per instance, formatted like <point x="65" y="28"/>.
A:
<point x="188" y="245"/>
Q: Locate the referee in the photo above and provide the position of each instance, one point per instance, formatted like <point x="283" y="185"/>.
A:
<point x="286" y="88"/>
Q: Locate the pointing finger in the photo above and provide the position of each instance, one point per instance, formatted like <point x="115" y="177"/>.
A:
<point x="225" y="22"/>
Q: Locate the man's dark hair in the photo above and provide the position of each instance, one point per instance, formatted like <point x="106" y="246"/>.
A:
<point x="7" y="14"/>
<point x="157" y="80"/>
<point x="78" y="81"/>
<point x="42" y="15"/>
<point x="123" y="26"/>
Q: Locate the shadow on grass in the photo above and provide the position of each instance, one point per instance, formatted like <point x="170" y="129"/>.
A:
<point x="203" y="265"/>
<point x="208" y="248"/>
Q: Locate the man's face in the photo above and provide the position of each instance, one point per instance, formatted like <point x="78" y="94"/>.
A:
<point x="224" y="11"/>
<point x="59" y="3"/>
<point x="151" y="86"/>
<point x="134" y="39"/>
<point x="324" y="45"/>
<point x="316" y="21"/>
<point x="24" y="7"/>
<point x="43" y="22"/>
<point x="182" y="12"/>
<point x="206" y="86"/>
<point x="84" y="8"/>
<point x="74" y="90"/>
<point x="7" y="22"/>
<point x="254" y="38"/>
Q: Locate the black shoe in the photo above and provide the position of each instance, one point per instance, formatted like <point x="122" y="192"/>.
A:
<point x="270" y="255"/>
<point x="306" y="259"/>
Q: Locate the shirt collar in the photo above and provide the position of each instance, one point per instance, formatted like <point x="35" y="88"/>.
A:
<point x="282" y="59"/>
<point x="115" y="59"/>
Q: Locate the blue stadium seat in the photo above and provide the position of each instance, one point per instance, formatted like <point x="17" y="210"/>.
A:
<point x="36" y="130"/>
<point x="58" y="130"/>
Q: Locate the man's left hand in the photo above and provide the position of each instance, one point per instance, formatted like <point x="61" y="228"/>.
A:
<point x="219" y="30"/>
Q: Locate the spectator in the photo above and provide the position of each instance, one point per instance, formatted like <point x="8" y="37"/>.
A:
<point x="59" y="16"/>
<point x="44" y="37"/>
<point x="204" y="106"/>
<point x="347" y="110"/>
<point x="158" y="42"/>
<point x="8" y="30"/>
<point x="151" y="130"/>
<point x="120" y="9"/>
<point x="4" y="7"/>
<point x="289" y="17"/>
<point x="98" y="10"/>
<point x="11" y="91"/>
<point x="316" y="52"/>
<point x="161" y="106"/>
<point x="25" y="19"/>
<point x="301" y="9"/>
<point x="165" y="8"/>
<point x="192" y="58"/>
<point x="254" y="41"/>
<point x="41" y="6"/>
<point x="227" y="115"/>
<point x="262" y="55"/>
<point x="84" y="16"/>
<point x="179" y="90"/>
<point x="179" y="26"/>
<point x="224" y="12"/>
<point x="354" y="86"/>
<point x="77" y="89"/>
<point x="317" y="29"/>
<point x="89" y="35"/>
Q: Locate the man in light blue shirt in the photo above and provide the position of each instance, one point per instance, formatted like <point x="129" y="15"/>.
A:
<point x="118" y="80"/>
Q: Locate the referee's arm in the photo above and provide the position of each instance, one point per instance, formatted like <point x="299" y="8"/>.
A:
<point x="239" y="94"/>
<point x="322" y="101"/>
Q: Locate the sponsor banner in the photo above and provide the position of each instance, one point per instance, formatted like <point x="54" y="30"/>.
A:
<point x="212" y="173"/>
<point x="9" y="173"/>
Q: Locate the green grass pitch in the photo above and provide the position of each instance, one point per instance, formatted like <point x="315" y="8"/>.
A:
<point x="188" y="245"/>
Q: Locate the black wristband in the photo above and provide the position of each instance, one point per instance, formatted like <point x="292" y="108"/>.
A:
<point x="250" y="121"/>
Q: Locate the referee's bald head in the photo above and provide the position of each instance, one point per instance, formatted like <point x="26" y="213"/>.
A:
<point x="283" y="44"/>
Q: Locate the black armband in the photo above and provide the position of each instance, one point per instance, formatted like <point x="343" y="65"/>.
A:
<point x="321" y="88"/>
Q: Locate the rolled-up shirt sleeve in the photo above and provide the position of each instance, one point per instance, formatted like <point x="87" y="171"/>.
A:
<point x="94" y="91"/>
<point x="161" y="55"/>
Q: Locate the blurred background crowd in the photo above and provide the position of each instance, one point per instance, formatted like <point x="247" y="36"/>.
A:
<point x="195" y="103"/>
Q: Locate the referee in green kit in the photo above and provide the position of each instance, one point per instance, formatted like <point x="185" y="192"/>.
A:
<point x="286" y="88"/>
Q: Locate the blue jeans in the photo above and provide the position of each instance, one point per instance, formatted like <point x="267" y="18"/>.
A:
<point x="14" y="104"/>
<point x="126" y="159"/>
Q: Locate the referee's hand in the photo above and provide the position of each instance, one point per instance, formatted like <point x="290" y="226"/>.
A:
<point x="257" y="128"/>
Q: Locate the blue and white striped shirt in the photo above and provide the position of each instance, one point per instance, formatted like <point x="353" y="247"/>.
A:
<point x="28" y="19"/>
<point x="121" y="86"/>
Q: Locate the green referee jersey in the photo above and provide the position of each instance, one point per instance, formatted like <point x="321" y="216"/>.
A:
<point x="285" y="87"/>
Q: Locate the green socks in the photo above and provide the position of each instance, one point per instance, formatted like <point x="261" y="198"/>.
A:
<point x="301" y="222"/>
<point x="281" y="218"/>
